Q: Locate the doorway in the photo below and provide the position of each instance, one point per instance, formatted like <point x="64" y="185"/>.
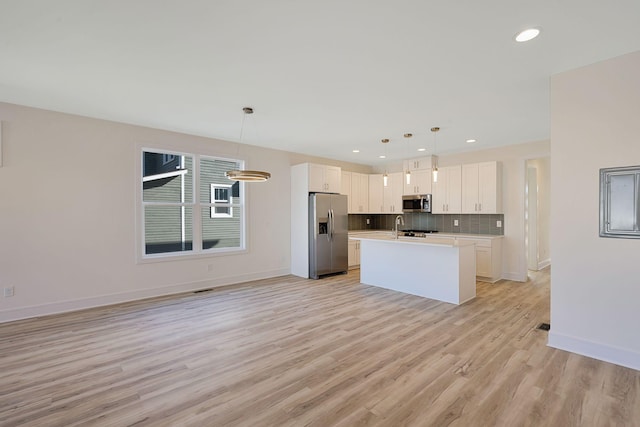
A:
<point x="537" y="213"/>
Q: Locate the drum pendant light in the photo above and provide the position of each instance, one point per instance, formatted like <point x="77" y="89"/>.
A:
<point x="247" y="175"/>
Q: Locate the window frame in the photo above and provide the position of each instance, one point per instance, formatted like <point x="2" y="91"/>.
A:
<point x="221" y="203"/>
<point x="196" y="205"/>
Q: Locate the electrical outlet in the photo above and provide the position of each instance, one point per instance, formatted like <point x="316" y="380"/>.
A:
<point x="455" y="222"/>
<point x="368" y="221"/>
<point x="499" y="224"/>
<point x="9" y="291"/>
<point x="210" y="267"/>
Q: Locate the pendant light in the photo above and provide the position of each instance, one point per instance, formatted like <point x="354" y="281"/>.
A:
<point x="435" y="146"/>
<point x="385" y="177"/>
<point x="407" y="173"/>
<point x="247" y="175"/>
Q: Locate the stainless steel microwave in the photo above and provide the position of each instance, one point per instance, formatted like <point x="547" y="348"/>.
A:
<point x="417" y="203"/>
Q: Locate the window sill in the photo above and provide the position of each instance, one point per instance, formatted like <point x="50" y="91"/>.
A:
<point x="170" y="257"/>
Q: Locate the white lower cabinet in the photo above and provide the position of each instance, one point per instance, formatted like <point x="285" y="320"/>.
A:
<point x="483" y="261"/>
<point x="488" y="254"/>
<point x="354" y="253"/>
<point x="488" y="258"/>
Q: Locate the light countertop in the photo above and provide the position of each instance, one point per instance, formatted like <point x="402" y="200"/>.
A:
<point x="353" y="233"/>
<point x="389" y="237"/>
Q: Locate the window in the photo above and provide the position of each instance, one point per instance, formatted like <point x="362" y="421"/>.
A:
<point x="221" y="198"/>
<point x="189" y="206"/>
<point x="168" y="158"/>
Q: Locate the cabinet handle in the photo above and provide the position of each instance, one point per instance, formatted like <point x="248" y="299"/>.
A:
<point x="480" y="207"/>
<point x="475" y="209"/>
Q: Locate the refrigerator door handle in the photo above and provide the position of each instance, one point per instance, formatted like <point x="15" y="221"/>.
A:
<point x="331" y="224"/>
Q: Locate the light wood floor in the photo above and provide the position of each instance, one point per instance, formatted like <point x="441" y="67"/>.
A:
<point x="293" y="352"/>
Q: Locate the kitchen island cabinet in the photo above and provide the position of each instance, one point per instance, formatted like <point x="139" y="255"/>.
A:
<point x="439" y="269"/>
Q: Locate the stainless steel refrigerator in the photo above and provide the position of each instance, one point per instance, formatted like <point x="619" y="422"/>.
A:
<point x="328" y="234"/>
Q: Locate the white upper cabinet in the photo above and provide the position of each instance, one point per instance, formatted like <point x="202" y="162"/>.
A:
<point x="481" y="188"/>
<point x="356" y="187"/>
<point x="420" y="163"/>
<point x="376" y="196"/>
<point x="345" y="185"/>
<point x="345" y="188"/>
<point x="385" y="199"/>
<point x="324" y="179"/>
<point x="447" y="192"/>
<point x="359" y="202"/>
<point x="392" y="193"/>
<point x="419" y="183"/>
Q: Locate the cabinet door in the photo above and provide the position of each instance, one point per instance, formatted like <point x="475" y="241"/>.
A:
<point x="488" y="186"/>
<point x="423" y="180"/>
<point x="316" y="178"/>
<point x="392" y="193"/>
<point x="346" y="190"/>
<point x="420" y="163"/>
<point x="353" y="258"/>
<point x="376" y="198"/>
<point x="454" y="189"/>
<point x="332" y="179"/>
<point x="447" y="192"/>
<point x="409" y="188"/>
<point x="439" y="193"/>
<point x="420" y="182"/>
<point x="396" y="191"/>
<point x="363" y="192"/>
<point x="470" y="188"/>
<point x="483" y="261"/>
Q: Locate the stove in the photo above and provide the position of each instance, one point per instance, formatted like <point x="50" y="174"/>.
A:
<point x="416" y="233"/>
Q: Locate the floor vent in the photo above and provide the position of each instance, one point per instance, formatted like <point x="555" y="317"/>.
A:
<point x="544" y="326"/>
<point x="202" y="290"/>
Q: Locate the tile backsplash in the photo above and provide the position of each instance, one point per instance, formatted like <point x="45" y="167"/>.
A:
<point x="467" y="223"/>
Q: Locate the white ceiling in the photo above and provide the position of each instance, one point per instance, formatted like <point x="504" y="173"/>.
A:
<point x="324" y="77"/>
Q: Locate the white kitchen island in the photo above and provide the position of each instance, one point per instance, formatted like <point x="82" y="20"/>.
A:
<point x="439" y="269"/>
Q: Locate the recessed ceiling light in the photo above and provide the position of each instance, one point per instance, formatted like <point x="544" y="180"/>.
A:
<point x="383" y="157"/>
<point x="422" y="149"/>
<point x="470" y="141"/>
<point x="356" y="151"/>
<point x="526" y="35"/>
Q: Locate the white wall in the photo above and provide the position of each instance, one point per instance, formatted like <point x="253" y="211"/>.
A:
<point x="513" y="159"/>
<point x="68" y="214"/>
<point x="595" y="282"/>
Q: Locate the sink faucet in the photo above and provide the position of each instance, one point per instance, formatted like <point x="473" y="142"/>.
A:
<point x="399" y="220"/>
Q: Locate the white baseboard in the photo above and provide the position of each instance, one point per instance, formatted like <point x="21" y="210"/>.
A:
<point x="544" y="263"/>
<point x="516" y="277"/>
<point x="102" y="300"/>
<point x="615" y="355"/>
